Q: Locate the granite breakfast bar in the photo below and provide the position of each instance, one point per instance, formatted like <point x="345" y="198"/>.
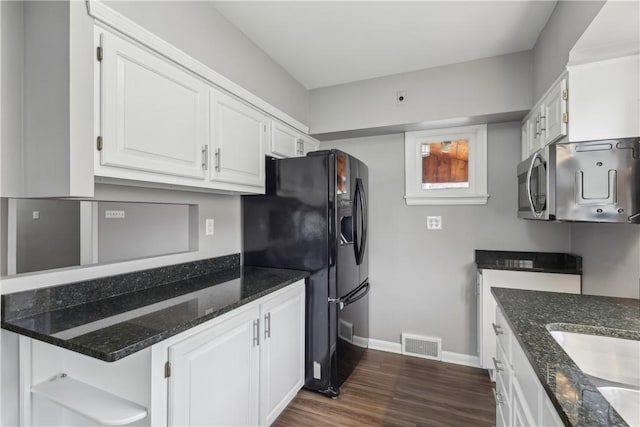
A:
<point x="532" y="314"/>
<point x="124" y="349"/>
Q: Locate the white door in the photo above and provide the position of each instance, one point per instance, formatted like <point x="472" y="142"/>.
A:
<point x="154" y="114"/>
<point x="214" y="375"/>
<point x="281" y="352"/>
<point x="554" y="106"/>
<point x="239" y="134"/>
<point x="285" y="142"/>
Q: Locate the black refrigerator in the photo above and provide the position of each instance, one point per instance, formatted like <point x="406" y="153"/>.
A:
<point x="314" y="217"/>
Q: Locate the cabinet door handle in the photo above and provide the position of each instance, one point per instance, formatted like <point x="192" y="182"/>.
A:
<point x="205" y="157"/>
<point x="267" y="325"/>
<point x="497" y="329"/>
<point x="496" y="362"/>
<point x="542" y="128"/>
<point x="218" y="155"/>
<point x="497" y="396"/>
<point x="256" y="332"/>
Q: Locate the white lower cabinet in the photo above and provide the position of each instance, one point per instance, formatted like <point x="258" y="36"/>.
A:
<point x="521" y="401"/>
<point x="214" y="375"/>
<point x="239" y="369"/>
<point x="243" y="371"/>
<point x="487" y="278"/>
<point x="281" y="353"/>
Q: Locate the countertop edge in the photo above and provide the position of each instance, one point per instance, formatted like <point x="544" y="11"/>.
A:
<point x="152" y="340"/>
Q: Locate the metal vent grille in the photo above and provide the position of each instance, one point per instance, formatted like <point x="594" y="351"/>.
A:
<point x="420" y="346"/>
<point x="345" y="330"/>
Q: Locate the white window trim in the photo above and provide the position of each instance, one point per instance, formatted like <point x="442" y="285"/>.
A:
<point x="475" y="194"/>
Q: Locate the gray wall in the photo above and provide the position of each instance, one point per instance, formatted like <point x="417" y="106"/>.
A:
<point x="551" y="51"/>
<point x="200" y="30"/>
<point x="146" y="230"/>
<point x="611" y="258"/>
<point x="53" y="241"/>
<point x="486" y="86"/>
<point x="423" y="281"/>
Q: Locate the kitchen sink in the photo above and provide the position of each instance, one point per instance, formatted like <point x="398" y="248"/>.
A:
<point x="625" y="401"/>
<point x="612" y="363"/>
<point x="612" y="359"/>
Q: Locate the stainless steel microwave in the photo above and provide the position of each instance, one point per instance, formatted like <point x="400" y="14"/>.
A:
<point x="537" y="184"/>
<point x="598" y="181"/>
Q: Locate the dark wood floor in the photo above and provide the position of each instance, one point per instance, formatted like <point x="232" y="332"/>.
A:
<point x="388" y="389"/>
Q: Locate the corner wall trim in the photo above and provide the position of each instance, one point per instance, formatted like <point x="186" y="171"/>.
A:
<point x="447" y="356"/>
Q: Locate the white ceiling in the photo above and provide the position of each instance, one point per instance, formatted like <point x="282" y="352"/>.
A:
<point x="324" y="43"/>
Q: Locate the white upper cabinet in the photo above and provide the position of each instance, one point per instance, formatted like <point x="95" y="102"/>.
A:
<point x="288" y="142"/>
<point x="154" y="114"/>
<point x="239" y="135"/>
<point x="309" y="144"/>
<point x="604" y="101"/>
<point x="555" y="118"/>
<point x="285" y="141"/>
<point x="547" y="121"/>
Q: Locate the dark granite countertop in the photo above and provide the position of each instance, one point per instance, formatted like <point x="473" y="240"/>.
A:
<point x="539" y="262"/>
<point x="117" y="326"/>
<point x="573" y="393"/>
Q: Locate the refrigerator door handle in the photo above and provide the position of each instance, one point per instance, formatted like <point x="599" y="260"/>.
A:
<point x="365" y="221"/>
<point x="359" y="293"/>
<point x="359" y="239"/>
<point x="352" y="296"/>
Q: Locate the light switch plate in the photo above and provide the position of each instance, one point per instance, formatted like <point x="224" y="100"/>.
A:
<point x="434" y="223"/>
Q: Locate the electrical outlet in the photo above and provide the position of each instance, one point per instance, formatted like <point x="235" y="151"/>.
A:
<point x="401" y="97"/>
<point x="36" y="215"/>
<point x="114" y="214"/>
<point x="208" y="227"/>
<point x="434" y="223"/>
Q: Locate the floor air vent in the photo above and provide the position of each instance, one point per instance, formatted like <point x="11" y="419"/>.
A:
<point x="420" y="346"/>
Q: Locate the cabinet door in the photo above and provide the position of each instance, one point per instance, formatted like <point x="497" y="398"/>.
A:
<point x="309" y="145"/>
<point x="214" y="378"/>
<point x="281" y="352"/>
<point x="554" y="108"/>
<point x="525" y="143"/>
<point x="239" y="134"/>
<point x="285" y="142"/>
<point x="154" y="114"/>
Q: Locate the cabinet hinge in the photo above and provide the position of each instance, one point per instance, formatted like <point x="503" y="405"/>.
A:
<point x="99" y="53"/>
<point x="167" y="369"/>
<point x="99" y="143"/>
<point x="565" y="94"/>
<point x="565" y="117"/>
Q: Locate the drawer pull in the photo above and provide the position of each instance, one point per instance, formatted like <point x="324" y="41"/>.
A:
<point x="497" y="396"/>
<point x="497" y="329"/>
<point x="496" y="362"/>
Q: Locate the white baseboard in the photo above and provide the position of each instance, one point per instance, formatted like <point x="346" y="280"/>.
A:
<point x="388" y="346"/>
<point x="447" y="356"/>
<point x="461" y="359"/>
